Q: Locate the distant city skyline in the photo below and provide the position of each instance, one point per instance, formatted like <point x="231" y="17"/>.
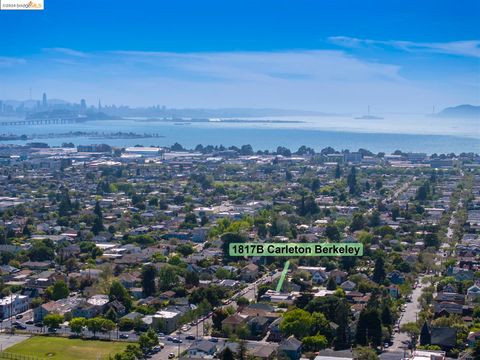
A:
<point x="324" y="56"/>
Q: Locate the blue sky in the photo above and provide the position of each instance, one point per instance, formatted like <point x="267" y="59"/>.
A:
<point x="324" y="55"/>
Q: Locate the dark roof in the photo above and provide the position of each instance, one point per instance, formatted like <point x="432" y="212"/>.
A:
<point x="444" y="336"/>
<point x="263" y="306"/>
<point x="260" y="320"/>
<point x="290" y="344"/>
<point x="204" y="346"/>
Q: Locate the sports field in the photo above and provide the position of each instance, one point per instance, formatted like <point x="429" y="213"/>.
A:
<point x="57" y="348"/>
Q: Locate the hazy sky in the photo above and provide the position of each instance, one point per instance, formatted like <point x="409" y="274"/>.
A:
<point x="336" y="56"/>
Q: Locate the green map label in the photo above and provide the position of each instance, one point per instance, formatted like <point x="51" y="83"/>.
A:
<point x="296" y="249"/>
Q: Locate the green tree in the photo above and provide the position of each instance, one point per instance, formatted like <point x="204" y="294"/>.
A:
<point x="338" y="171"/>
<point x="352" y="181"/>
<point x="342" y="334"/>
<point x="387" y="316"/>
<point x="98" y="220"/>
<point x="167" y="278"/>
<point x="53" y="321"/>
<point x="476" y="350"/>
<point x="379" y="273"/>
<point x="365" y="353"/>
<point x="111" y="314"/>
<point x="411" y="328"/>
<point x="227" y="239"/>
<point x="369" y="328"/>
<point x="148" y="340"/>
<point x="242" y="353"/>
<point x="77" y="324"/>
<point x="95" y="325"/>
<point x="227" y="354"/>
<point x="191" y="278"/>
<point x="315" y="342"/>
<point x="108" y="325"/>
<point x="331" y="231"/>
<point x="425" y="336"/>
<point x="148" y="280"/>
<point x="296" y="322"/>
<point x="126" y="324"/>
<point x="358" y="222"/>
<point x="118" y="292"/>
<point x="242" y="301"/>
<point x="42" y="250"/>
<point x="60" y="290"/>
<point x="331" y="284"/>
<point x="374" y="219"/>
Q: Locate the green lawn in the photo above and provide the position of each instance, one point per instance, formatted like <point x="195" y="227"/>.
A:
<point x="57" y="348"/>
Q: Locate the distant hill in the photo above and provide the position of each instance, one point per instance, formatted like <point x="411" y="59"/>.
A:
<point x="461" y="111"/>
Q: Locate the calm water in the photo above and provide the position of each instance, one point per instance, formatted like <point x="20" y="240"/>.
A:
<point x="406" y="132"/>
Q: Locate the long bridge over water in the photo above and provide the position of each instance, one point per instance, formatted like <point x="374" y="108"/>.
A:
<point x="40" y="121"/>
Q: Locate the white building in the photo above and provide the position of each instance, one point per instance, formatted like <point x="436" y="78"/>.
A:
<point x="13" y="305"/>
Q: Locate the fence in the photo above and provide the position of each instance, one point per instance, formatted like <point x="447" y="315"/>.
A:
<point x="12" y="356"/>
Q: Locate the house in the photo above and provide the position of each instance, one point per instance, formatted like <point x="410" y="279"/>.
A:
<point x="258" y="326"/>
<point x="233" y="322"/>
<point x="116" y="306"/>
<point x="329" y="354"/>
<point x="61" y="307"/>
<point x="427" y="355"/>
<point x="473" y="292"/>
<point x="291" y="348"/>
<point x="394" y="291"/>
<point x="249" y="272"/>
<point x="264" y="352"/>
<point x="202" y="349"/>
<point x="450" y="288"/>
<point x="13" y="305"/>
<point x="450" y="297"/>
<point x="129" y="280"/>
<point x="448" y="308"/>
<point x="166" y="320"/>
<point x="396" y="277"/>
<point x="348" y="285"/>
<point x="86" y="310"/>
<point x="319" y="275"/>
<point x="274" y="329"/>
<point x="472" y="338"/>
<point x="338" y="275"/>
<point x="444" y="337"/>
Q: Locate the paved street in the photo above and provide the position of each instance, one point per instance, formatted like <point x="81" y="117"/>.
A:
<point x="9" y="340"/>
<point x="410" y="315"/>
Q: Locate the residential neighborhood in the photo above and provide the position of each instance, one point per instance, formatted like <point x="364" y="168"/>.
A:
<point x="132" y="246"/>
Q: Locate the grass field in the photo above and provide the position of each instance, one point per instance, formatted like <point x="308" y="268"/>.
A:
<point x="57" y="348"/>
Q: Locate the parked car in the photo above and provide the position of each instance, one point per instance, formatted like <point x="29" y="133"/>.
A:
<point x="123" y="336"/>
<point x="213" y="339"/>
<point x="171" y="355"/>
<point x="190" y="337"/>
